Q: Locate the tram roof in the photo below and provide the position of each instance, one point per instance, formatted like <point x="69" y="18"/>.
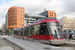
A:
<point x="40" y="21"/>
<point x="46" y="18"/>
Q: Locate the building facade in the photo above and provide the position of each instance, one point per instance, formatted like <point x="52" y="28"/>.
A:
<point x="67" y="23"/>
<point x="31" y="18"/>
<point x="15" y="17"/>
<point x="48" y="13"/>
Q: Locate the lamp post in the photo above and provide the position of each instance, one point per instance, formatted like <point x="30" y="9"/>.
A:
<point x="14" y="28"/>
<point x="45" y="12"/>
<point x="4" y="30"/>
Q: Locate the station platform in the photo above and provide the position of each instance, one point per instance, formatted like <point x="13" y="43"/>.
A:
<point x="30" y="45"/>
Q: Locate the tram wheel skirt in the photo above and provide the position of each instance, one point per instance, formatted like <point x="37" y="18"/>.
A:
<point x="57" y="41"/>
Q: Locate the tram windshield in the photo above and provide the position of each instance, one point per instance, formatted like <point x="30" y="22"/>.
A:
<point x="55" y="29"/>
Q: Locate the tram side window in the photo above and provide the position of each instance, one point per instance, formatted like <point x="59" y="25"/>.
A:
<point x="16" y="32"/>
<point x="21" y="31"/>
<point x="24" y="31"/>
<point x="37" y="29"/>
<point x="30" y="31"/>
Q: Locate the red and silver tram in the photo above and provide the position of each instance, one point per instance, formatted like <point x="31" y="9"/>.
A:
<point x="45" y="30"/>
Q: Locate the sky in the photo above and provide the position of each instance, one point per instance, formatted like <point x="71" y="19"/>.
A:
<point x="61" y="7"/>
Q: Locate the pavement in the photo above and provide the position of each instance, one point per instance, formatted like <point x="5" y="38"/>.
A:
<point x="31" y="45"/>
<point x="4" y="45"/>
<point x="71" y="42"/>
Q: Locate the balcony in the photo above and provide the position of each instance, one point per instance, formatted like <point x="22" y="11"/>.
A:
<point x="12" y="9"/>
<point x="12" y="24"/>
<point x="12" y="18"/>
<point x="12" y="13"/>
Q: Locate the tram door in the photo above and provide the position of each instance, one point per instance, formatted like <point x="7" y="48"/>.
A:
<point x="43" y="31"/>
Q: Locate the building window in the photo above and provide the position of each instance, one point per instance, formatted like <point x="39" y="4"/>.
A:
<point x="20" y="12"/>
<point x="52" y="15"/>
<point x="22" y="24"/>
<point x="20" y="21"/>
<point x="20" y="9"/>
<point x="20" y="18"/>
<point x="19" y="24"/>
<point x="20" y="15"/>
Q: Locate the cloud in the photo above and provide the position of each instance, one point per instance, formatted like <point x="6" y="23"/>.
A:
<point x="61" y="7"/>
<point x="1" y="21"/>
<point x="68" y="8"/>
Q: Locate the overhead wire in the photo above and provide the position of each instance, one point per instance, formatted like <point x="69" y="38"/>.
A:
<point x="40" y="7"/>
<point x="36" y="5"/>
<point x="5" y="8"/>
